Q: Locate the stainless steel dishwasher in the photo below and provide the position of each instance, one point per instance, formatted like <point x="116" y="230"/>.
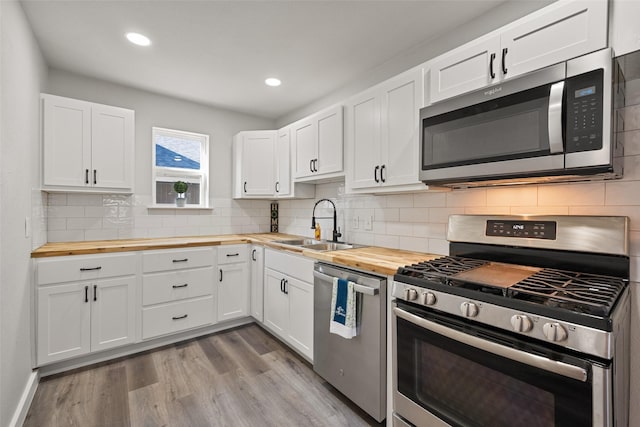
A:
<point x="356" y="366"/>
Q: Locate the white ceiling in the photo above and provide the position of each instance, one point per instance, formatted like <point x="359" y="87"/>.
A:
<point x="219" y="52"/>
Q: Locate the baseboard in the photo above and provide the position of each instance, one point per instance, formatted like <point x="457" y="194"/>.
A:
<point x="24" y="404"/>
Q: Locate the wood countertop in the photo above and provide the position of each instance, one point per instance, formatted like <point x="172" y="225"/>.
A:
<point x="370" y="258"/>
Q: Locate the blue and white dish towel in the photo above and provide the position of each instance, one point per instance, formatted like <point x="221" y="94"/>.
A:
<point x="343" y="309"/>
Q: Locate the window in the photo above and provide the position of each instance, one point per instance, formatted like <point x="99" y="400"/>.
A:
<point x="180" y="156"/>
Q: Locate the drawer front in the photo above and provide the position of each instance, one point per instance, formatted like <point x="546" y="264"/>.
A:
<point x="84" y="267"/>
<point x="176" y="317"/>
<point x="296" y="266"/>
<point x="176" y="285"/>
<point x="177" y="259"/>
<point x="228" y="254"/>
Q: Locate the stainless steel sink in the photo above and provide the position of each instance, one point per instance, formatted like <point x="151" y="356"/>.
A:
<point x="331" y="246"/>
<point x="297" y="242"/>
<point x="317" y="245"/>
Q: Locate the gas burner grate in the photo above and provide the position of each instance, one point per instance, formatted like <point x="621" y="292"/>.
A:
<point x="440" y="269"/>
<point x="581" y="292"/>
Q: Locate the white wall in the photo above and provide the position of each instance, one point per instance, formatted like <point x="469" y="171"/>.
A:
<point x="73" y="217"/>
<point x="22" y="76"/>
<point x="505" y="13"/>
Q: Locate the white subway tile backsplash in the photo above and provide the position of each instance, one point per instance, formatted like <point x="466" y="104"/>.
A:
<point x="59" y="211"/>
<point x="400" y="201"/>
<point x="622" y="193"/>
<point x="65" y="236"/>
<point x="429" y="200"/>
<point x="399" y="229"/>
<point x="464" y="198"/>
<point x="487" y="210"/>
<point x="586" y="194"/>
<point x="512" y="196"/>
<point x="418" y="244"/>
<point x="414" y="214"/>
<point x="84" y="223"/>
<point x="386" y="214"/>
<point x="441" y="215"/>
<point x="540" y="210"/>
<point x="103" y="234"/>
<point x="387" y="241"/>
<point x="79" y="199"/>
<point x="631" y="142"/>
<point x="438" y="246"/>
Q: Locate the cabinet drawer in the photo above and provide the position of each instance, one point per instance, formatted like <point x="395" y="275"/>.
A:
<point x="176" y="259"/>
<point x="84" y="267"/>
<point x="176" y="285"/>
<point x="296" y="266"/>
<point x="176" y="317"/>
<point x="228" y="254"/>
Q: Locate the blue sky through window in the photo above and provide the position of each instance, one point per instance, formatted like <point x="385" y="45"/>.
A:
<point x="177" y="152"/>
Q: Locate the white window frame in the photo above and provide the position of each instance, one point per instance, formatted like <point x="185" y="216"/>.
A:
<point x="164" y="173"/>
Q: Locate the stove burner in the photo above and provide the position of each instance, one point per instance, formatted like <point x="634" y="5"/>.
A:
<point x="581" y="293"/>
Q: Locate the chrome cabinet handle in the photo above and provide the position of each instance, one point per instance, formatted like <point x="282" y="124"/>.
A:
<point x="277" y="187"/>
<point x="560" y="368"/>
<point x="504" y="65"/>
<point x="556" y="99"/>
<point x="180" y="286"/>
<point x="91" y="269"/>
<point x="184" y="316"/>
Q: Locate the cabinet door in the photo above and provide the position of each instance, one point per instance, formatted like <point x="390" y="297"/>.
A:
<point x="300" y="333"/>
<point x="257" y="163"/>
<point x="554" y="34"/>
<point x="67" y="141"/>
<point x="283" y="163"/>
<point x="276" y="303"/>
<point x="257" y="282"/>
<point x="64" y="322"/>
<point x="363" y="137"/>
<point x="303" y="137"/>
<point x="112" y="313"/>
<point x="233" y="291"/>
<point x="112" y="147"/>
<point x="465" y="69"/>
<point x="330" y="141"/>
<point x="401" y="100"/>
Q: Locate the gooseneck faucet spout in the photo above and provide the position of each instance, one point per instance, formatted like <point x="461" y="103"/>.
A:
<point x="336" y="233"/>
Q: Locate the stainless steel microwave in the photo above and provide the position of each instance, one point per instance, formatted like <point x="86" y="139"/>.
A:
<point x="554" y="124"/>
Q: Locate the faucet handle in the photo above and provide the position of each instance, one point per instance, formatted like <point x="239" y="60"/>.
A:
<point x="338" y="233"/>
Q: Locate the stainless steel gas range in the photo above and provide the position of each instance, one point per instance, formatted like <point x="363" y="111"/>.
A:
<point x="526" y="323"/>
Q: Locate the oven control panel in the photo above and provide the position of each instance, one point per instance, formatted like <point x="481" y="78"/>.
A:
<point x="527" y="229"/>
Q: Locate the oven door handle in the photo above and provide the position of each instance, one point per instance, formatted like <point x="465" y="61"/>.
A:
<point x="356" y="287"/>
<point x="560" y="368"/>
<point x="556" y="97"/>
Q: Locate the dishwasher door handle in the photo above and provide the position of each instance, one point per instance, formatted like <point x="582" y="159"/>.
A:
<point x="366" y="290"/>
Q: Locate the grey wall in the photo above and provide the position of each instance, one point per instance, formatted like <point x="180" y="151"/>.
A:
<point x="507" y="12"/>
<point x="22" y="72"/>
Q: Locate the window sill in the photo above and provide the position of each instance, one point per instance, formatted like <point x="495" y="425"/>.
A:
<point x="184" y="208"/>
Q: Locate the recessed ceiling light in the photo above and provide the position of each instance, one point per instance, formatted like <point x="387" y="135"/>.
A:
<point x="138" y="39"/>
<point x="272" y="81"/>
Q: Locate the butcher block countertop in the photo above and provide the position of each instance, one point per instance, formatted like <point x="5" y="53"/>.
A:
<point x="370" y="258"/>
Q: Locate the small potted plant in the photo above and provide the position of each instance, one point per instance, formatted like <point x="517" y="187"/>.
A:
<point x="181" y="188"/>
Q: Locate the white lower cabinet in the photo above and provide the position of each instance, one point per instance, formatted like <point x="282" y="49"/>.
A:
<point x="79" y="318"/>
<point x="288" y="300"/>
<point x="233" y="282"/>
<point x="177" y="316"/>
<point x="257" y="282"/>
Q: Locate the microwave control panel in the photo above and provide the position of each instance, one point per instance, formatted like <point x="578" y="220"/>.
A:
<point x="584" y="112"/>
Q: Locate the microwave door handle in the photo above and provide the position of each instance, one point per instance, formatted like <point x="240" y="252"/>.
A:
<point x="555" y="118"/>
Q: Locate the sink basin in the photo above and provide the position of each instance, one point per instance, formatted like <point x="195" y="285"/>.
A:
<point x="330" y="246"/>
<point x="297" y="242"/>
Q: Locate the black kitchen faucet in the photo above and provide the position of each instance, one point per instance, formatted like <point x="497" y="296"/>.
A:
<point x="335" y="231"/>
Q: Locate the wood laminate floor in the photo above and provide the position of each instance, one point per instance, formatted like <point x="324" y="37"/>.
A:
<point x="241" y="377"/>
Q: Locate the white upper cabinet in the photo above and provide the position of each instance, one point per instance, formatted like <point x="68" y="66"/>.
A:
<point x="253" y="154"/>
<point x="556" y="33"/>
<point x="382" y="134"/>
<point x="87" y="146"/>
<point x="284" y="186"/>
<point x="318" y="145"/>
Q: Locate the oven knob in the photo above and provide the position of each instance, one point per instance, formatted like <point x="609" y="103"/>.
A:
<point x="428" y="298"/>
<point x="554" y="332"/>
<point x="410" y="294"/>
<point x="521" y="323"/>
<point x="469" y="309"/>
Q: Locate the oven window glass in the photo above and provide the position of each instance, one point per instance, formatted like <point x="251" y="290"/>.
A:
<point x="466" y="386"/>
<point x="512" y="127"/>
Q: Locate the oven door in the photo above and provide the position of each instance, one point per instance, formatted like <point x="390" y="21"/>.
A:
<point x="450" y="372"/>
